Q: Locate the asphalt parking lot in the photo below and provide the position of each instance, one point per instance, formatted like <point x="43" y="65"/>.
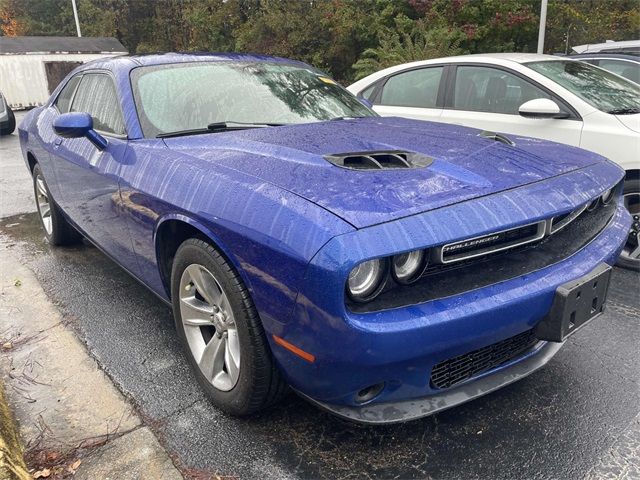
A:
<point x="577" y="417"/>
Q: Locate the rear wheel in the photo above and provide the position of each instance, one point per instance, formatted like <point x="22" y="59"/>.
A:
<point x="57" y="229"/>
<point x="219" y="327"/>
<point x="630" y="256"/>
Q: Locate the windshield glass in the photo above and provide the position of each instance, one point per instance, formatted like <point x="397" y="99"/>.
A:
<point x="603" y="90"/>
<point x="190" y="96"/>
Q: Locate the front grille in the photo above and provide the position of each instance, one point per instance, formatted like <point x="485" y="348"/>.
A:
<point x="491" y="243"/>
<point x="446" y="280"/>
<point x="458" y="369"/>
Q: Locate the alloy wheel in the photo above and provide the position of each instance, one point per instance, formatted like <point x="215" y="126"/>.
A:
<point x="631" y="250"/>
<point x="210" y="327"/>
<point x="44" y="205"/>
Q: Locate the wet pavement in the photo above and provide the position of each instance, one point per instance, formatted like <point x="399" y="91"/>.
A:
<point x="558" y="423"/>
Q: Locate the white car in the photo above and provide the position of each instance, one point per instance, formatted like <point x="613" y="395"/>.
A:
<point x="543" y="96"/>
<point x="626" y="46"/>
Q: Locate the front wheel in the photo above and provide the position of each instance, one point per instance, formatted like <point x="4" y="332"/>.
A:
<point x="219" y="327"/>
<point x="630" y="256"/>
<point x="57" y="230"/>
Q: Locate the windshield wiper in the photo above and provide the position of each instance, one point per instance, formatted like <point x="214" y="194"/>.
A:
<point x="221" y="126"/>
<point x="624" y="111"/>
<point x="218" y="127"/>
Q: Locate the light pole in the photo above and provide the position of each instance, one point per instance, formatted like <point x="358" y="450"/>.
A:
<point x="543" y="24"/>
<point x="75" y="15"/>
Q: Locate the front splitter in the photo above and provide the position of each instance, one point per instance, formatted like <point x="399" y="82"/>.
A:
<point x="402" y="411"/>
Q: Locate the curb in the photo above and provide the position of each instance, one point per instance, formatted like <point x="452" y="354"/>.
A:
<point x="12" y="466"/>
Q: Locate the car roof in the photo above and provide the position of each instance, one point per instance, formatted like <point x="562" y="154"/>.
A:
<point x="609" y="45"/>
<point x="486" y="57"/>
<point x="490" y="58"/>
<point x="517" y="57"/>
<point x="603" y="55"/>
<point x="133" y="61"/>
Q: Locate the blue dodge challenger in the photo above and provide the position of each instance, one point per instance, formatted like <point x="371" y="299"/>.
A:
<point x="383" y="268"/>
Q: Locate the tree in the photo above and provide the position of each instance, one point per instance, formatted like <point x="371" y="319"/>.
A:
<point x="347" y="38"/>
<point x="421" y="42"/>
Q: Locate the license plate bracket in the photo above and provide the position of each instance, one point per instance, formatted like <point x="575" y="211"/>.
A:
<point x="575" y="304"/>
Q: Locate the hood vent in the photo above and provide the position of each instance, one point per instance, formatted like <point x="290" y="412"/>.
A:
<point x="379" y="160"/>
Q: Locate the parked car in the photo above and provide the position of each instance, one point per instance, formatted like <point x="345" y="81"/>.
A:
<point x="627" y="66"/>
<point x="627" y="46"/>
<point x="540" y="96"/>
<point x="7" y="118"/>
<point x="384" y="268"/>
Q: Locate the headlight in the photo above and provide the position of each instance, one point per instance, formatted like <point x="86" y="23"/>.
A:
<point x="365" y="279"/>
<point x="607" y="196"/>
<point x="407" y="267"/>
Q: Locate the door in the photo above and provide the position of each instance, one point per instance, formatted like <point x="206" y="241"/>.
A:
<point x="488" y="98"/>
<point x="413" y="94"/>
<point x="88" y="177"/>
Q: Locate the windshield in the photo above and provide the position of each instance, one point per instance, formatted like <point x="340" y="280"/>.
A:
<point x="603" y="90"/>
<point x="191" y="96"/>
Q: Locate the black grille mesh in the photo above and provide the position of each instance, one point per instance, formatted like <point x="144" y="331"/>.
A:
<point x="455" y="370"/>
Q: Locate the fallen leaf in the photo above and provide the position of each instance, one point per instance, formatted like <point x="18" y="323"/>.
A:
<point x="52" y="456"/>
<point x="74" y="466"/>
<point x="44" y="473"/>
<point x="17" y="282"/>
<point x="7" y="346"/>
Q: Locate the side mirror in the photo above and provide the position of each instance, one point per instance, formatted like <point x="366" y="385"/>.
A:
<point x="365" y="102"/>
<point x="77" y="125"/>
<point x="541" y="108"/>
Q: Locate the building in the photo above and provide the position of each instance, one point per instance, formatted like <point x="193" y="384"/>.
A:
<point x="32" y="67"/>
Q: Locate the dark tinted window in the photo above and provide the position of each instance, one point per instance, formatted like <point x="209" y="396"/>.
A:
<point x="415" y="88"/>
<point x="484" y="89"/>
<point x="97" y="96"/>
<point x="63" y="102"/>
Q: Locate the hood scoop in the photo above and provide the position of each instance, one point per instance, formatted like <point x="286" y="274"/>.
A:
<point x="379" y="160"/>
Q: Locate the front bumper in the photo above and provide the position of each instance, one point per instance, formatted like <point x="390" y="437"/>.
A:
<point x="399" y="347"/>
<point x="404" y="410"/>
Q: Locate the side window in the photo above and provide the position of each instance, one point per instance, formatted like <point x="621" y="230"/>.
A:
<point x="627" y="70"/>
<point x="97" y="96"/>
<point x="368" y="92"/>
<point x="485" y="89"/>
<point x="63" y="102"/>
<point x="415" y="88"/>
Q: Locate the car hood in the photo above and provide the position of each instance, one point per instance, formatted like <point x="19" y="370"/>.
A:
<point x="632" y="122"/>
<point x="465" y="165"/>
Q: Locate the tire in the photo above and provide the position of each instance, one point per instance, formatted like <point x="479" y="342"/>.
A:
<point x="254" y="381"/>
<point x="57" y="229"/>
<point x="631" y="194"/>
<point x="10" y="125"/>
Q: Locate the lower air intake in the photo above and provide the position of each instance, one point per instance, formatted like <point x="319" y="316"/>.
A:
<point x="458" y="369"/>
